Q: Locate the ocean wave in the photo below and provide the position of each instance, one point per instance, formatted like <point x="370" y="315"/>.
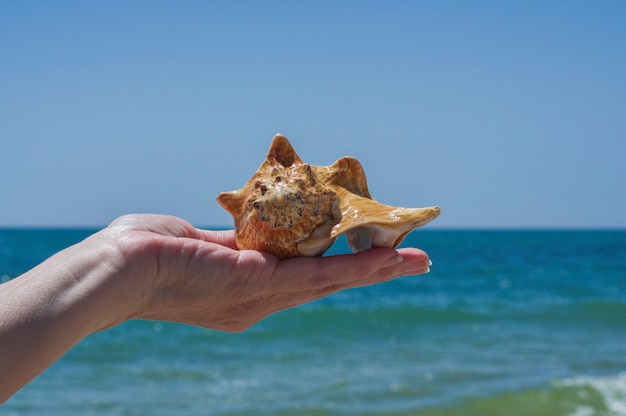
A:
<point x="609" y="394"/>
<point x="577" y="396"/>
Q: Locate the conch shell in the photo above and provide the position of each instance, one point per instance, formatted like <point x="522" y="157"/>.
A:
<point x="290" y="208"/>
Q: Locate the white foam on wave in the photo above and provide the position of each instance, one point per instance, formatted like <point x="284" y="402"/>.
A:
<point x="611" y="389"/>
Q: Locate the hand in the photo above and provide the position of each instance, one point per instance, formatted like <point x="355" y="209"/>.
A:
<point x="199" y="277"/>
<point x="158" y="267"/>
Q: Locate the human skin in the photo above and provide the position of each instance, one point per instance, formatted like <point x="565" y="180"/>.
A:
<point x="162" y="268"/>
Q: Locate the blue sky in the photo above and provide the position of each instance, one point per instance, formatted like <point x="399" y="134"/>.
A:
<point x="506" y="114"/>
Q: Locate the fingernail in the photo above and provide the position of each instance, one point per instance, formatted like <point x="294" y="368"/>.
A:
<point x="419" y="267"/>
<point x="417" y="270"/>
<point x="396" y="259"/>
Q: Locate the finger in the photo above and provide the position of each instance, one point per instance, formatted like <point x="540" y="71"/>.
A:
<point x="300" y="274"/>
<point x="222" y="237"/>
<point x="166" y="225"/>
<point x="306" y="273"/>
<point x="415" y="262"/>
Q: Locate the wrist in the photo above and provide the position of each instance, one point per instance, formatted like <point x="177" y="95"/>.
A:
<point x="91" y="288"/>
<point x="50" y="308"/>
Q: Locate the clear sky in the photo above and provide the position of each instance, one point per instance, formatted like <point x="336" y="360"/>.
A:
<point x="506" y="114"/>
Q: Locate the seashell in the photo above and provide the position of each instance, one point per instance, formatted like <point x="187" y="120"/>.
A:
<point x="290" y="208"/>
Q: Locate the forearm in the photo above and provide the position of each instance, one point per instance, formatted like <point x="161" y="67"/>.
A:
<point x="46" y="311"/>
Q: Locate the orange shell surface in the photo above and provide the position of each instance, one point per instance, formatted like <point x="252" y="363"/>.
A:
<point x="290" y="208"/>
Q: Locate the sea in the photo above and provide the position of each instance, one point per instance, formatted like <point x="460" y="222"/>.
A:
<point x="508" y="322"/>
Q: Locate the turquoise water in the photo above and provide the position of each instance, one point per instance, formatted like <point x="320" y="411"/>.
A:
<point x="507" y="323"/>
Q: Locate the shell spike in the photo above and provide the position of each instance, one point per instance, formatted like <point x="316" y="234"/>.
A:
<point x="231" y="201"/>
<point x="282" y="152"/>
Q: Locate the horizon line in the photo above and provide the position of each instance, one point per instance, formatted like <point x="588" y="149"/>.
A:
<point x="421" y="229"/>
